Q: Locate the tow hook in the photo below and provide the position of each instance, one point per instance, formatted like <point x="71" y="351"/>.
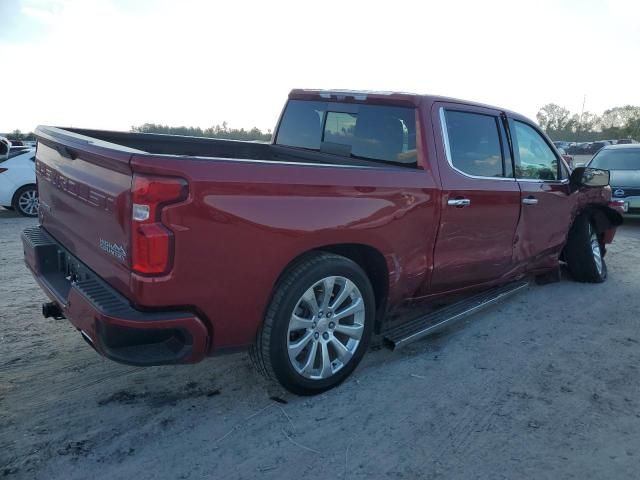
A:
<point x="51" y="309"/>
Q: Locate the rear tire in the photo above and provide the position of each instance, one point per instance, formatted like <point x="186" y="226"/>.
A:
<point x="25" y="201"/>
<point x="311" y="341"/>
<point x="584" y="252"/>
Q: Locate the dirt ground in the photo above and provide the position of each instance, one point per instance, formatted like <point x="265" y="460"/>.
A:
<point x="545" y="385"/>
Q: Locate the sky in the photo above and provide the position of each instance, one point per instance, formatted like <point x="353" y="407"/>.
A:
<point x="111" y="64"/>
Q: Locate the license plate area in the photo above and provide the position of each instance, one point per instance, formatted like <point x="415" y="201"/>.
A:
<point x="69" y="267"/>
<point x="72" y="270"/>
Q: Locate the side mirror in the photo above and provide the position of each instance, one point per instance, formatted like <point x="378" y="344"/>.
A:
<point x="589" y="177"/>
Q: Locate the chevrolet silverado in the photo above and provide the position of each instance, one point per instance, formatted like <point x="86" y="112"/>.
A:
<point x="368" y="213"/>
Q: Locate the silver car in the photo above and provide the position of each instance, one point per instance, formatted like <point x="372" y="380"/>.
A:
<point x="623" y="161"/>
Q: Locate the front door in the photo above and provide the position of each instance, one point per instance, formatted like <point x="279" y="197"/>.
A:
<point x="481" y="198"/>
<point x="546" y="197"/>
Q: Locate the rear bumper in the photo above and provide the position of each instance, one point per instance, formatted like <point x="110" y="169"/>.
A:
<point x="105" y="318"/>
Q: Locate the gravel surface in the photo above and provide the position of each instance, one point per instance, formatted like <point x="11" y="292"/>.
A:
<point x="545" y="385"/>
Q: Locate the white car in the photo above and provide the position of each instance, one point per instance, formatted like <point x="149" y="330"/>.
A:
<point x="18" y="183"/>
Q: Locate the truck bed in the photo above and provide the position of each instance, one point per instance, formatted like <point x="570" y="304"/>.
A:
<point x="249" y="205"/>
<point x="164" y="144"/>
<point x="180" y="145"/>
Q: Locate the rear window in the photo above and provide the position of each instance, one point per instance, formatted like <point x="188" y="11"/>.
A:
<point x="617" y="159"/>
<point x="369" y="132"/>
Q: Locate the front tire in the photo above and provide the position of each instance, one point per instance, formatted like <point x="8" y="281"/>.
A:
<point x="318" y="324"/>
<point x="25" y="201"/>
<point x="584" y="252"/>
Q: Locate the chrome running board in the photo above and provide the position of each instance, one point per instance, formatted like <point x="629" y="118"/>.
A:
<point x="406" y="333"/>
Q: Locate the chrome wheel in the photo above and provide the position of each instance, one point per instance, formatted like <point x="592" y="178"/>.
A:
<point x="28" y="203"/>
<point x="326" y="327"/>
<point x="595" y="249"/>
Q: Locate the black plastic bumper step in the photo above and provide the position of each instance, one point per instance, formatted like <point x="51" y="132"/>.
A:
<point x="433" y="322"/>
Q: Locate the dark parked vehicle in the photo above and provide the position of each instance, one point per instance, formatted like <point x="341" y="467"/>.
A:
<point x="365" y="212"/>
<point x="579" y="148"/>
<point x="623" y="161"/>
<point x="563" y="145"/>
<point x="595" y="147"/>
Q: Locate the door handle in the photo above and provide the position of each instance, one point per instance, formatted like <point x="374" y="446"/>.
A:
<point x="530" y="201"/>
<point x="459" y="202"/>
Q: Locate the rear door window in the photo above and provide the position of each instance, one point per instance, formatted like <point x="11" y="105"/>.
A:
<point x="474" y="144"/>
<point x="368" y="132"/>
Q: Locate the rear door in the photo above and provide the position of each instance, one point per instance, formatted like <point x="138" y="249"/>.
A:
<point x="481" y="199"/>
<point x="546" y="196"/>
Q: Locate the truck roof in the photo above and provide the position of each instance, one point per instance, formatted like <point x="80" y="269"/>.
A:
<point x="390" y="97"/>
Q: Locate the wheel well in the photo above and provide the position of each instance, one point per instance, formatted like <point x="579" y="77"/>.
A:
<point x="602" y="217"/>
<point x="13" y="198"/>
<point x="367" y="258"/>
<point x="371" y="261"/>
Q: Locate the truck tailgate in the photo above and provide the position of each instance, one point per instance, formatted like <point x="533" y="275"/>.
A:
<point x="84" y="188"/>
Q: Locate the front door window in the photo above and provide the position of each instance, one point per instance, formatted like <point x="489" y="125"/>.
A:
<point x="536" y="159"/>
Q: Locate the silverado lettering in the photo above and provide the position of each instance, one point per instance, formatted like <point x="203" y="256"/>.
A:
<point x="76" y="189"/>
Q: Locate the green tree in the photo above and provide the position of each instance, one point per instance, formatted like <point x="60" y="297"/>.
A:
<point x="16" y="135"/>
<point x="619" y="117"/>
<point x="632" y="129"/>
<point x="217" y="131"/>
<point x="614" y="123"/>
<point x="588" y="123"/>
<point x="554" y="117"/>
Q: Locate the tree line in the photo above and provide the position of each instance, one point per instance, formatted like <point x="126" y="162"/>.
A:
<point x="18" y="135"/>
<point x="614" y="124"/>
<point x="558" y="122"/>
<point x="217" y="131"/>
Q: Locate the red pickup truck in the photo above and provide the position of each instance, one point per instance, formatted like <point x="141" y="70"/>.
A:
<point x="385" y="213"/>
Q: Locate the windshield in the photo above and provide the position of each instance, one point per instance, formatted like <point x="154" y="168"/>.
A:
<point x="614" y="159"/>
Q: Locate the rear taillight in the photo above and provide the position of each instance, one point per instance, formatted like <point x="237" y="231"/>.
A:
<point x="151" y="241"/>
